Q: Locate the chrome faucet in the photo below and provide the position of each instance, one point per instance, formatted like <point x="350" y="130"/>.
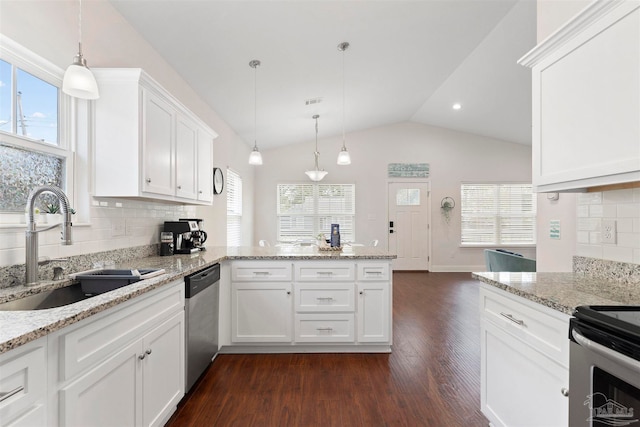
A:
<point x="31" y="247"/>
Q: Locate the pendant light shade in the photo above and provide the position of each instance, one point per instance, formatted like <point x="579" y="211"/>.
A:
<point x="78" y="80"/>
<point x="343" y="157"/>
<point x="255" y="158"/>
<point x="316" y="174"/>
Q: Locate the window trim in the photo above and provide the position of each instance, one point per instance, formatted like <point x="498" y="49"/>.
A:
<point x="232" y="175"/>
<point x="498" y="244"/>
<point x="23" y="58"/>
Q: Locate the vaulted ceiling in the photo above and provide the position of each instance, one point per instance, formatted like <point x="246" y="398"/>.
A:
<point x="407" y="60"/>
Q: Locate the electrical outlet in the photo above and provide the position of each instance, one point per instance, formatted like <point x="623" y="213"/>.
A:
<point x="609" y="231"/>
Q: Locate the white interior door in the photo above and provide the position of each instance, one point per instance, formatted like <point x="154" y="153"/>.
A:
<point x="409" y="225"/>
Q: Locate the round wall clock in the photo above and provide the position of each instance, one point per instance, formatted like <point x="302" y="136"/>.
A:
<point x="218" y="181"/>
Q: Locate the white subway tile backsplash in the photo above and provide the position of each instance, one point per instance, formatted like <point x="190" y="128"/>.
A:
<point x="583" y="211"/>
<point x="625" y="225"/>
<point x="609" y="211"/>
<point x="636" y="256"/>
<point x="629" y="240"/>
<point x="589" y="198"/>
<point x="590" y="251"/>
<point x="617" y="196"/>
<point x="582" y="237"/>
<point x="589" y="224"/>
<point x="595" y="238"/>
<point x="595" y="211"/>
<point x="629" y="210"/>
<point x="636" y="225"/>
<point x="616" y="253"/>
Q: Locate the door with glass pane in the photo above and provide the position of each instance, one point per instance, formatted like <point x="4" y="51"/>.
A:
<point x="409" y="225"/>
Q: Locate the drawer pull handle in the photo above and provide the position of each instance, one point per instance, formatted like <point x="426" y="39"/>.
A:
<point x="377" y="273"/>
<point x="4" y="395"/>
<point x="328" y="299"/>
<point x="325" y="329"/>
<point x="564" y="391"/>
<point x="325" y="273"/>
<point x="261" y="273"/>
<point x="513" y="319"/>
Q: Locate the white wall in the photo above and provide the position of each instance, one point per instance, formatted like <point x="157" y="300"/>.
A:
<point x="453" y="156"/>
<point x="50" y="29"/>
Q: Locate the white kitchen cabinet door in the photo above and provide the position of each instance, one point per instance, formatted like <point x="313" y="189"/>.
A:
<point x="108" y="395"/>
<point x="157" y="145"/>
<point x="520" y="386"/>
<point x="163" y="370"/>
<point x="23" y="384"/>
<point x="374" y="312"/>
<point x="205" y="166"/>
<point x="261" y="312"/>
<point x="186" y="166"/>
<point x="586" y="100"/>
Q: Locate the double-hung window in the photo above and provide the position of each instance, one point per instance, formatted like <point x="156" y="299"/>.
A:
<point x="35" y="147"/>
<point x="306" y="210"/>
<point x="234" y="208"/>
<point x="498" y="214"/>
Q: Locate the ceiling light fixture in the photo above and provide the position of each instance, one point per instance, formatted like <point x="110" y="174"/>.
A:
<point x="457" y="106"/>
<point x="78" y="79"/>
<point x="343" y="157"/>
<point x="255" y="158"/>
<point x="317" y="174"/>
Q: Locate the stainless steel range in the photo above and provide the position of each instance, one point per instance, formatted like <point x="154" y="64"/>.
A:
<point x="604" y="369"/>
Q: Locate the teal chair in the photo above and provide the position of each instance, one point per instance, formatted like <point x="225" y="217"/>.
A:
<point x="500" y="260"/>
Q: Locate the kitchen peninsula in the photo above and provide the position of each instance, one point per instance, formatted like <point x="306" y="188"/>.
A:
<point x="360" y="265"/>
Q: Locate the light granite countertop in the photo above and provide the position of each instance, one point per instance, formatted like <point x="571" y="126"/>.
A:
<point x="19" y="327"/>
<point x="564" y="291"/>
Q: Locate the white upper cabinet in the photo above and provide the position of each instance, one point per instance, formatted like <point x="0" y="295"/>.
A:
<point x="586" y="100"/>
<point x="147" y="144"/>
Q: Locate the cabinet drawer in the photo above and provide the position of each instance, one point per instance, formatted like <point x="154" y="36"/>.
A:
<point x="325" y="271"/>
<point x="313" y="297"/>
<point x="373" y="271"/>
<point x="324" y="328"/>
<point x="91" y="342"/>
<point x="543" y="328"/>
<point x="261" y="271"/>
<point x="22" y="379"/>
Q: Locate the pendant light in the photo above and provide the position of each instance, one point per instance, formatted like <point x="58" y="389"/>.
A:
<point x="317" y="174"/>
<point x="78" y="80"/>
<point x="255" y="158"/>
<point x="343" y="157"/>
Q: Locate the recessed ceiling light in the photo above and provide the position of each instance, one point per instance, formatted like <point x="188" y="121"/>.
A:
<point x="457" y="106"/>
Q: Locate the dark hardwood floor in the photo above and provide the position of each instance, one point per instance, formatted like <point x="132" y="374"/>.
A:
<point x="432" y="377"/>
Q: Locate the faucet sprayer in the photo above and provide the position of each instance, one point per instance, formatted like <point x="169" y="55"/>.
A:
<point x="31" y="246"/>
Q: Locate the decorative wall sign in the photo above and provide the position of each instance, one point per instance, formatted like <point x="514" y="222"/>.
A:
<point x="554" y="229"/>
<point x="408" y="170"/>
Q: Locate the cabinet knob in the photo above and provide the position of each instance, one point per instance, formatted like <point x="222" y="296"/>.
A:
<point x="179" y="187"/>
<point x="288" y="292"/>
<point x="564" y="391"/>
<point x="148" y="180"/>
<point x="200" y="191"/>
<point x="361" y="292"/>
<point x="142" y="356"/>
<point x="148" y="351"/>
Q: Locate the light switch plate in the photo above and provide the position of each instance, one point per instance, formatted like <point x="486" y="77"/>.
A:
<point x="609" y="231"/>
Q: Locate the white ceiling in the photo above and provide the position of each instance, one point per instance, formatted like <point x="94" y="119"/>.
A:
<point x="408" y="60"/>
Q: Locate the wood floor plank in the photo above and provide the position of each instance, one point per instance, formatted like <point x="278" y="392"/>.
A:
<point x="432" y="377"/>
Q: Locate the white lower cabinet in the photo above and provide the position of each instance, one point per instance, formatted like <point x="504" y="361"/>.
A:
<point x="261" y="312"/>
<point x="23" y="385"/>
<point x="521" y="384"/>
<point x="122" y="367"/>
<point x="312" y="303"/>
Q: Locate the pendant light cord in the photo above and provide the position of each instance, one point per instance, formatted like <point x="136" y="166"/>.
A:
<point x="316" y="153"/>
<point x="255" y="107"/>
<point x="344" y="147"/>
<point x="80" y="27"/>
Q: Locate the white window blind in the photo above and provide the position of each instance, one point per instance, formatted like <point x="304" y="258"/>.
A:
<point x="305" y="210"/>
<point x="498" y="214"/>
<point x="234" y="208"/>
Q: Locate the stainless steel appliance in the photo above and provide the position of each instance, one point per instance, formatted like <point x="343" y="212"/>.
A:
<point x="186" y="236"/>
<point x="604" y="366"/>
<point x="201" y="321"/>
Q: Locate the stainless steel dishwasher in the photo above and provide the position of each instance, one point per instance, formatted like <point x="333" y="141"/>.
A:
<point x="201" y="321"/>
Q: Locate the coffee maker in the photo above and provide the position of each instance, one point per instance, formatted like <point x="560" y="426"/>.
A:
<point x="187" y="237"/>
<point x="199" y="236"/>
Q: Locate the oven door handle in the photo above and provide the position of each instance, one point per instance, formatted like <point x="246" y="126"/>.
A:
<point x="603" y="351"/>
